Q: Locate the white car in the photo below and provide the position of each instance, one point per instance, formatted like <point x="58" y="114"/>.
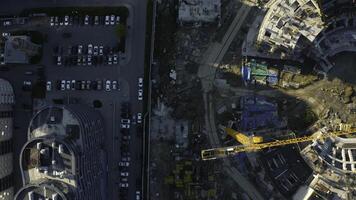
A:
<point x="5" y="34"/>
<point x="139" y="118"/>
<point x="112" y="20"/>
<point x="140" y="94"/>
<point x="49" y="86"/>
<point x="114" y="85"/>
<point x="101" y="50"/>
<point x="86" y="20"/>
<point x="140" y="82"/>
<point x="124" y="185"/>
<point x="138" y="195"/>
<point x="7" y="23"/>
<point x="107" y="20"/>
<point x="51" y="21"/>
<point x="107" y="85"/>
<point x="124" y="164"/>
<point x="90" y="49"/>
<point x="80" y="49"/>
<point x="63" y="85"/>
<point x="59" y="60"/>
<point x="124" y="174"/>
<point x="125" y="121"/>
<point x="89" y="59"/>
<point x="66" y="20"/>
<point x="109" y="60"/>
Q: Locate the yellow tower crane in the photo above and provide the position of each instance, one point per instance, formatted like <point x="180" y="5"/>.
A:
<point x="256" y="143"/>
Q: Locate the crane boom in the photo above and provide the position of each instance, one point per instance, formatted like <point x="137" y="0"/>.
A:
<point x="222" y="152"/>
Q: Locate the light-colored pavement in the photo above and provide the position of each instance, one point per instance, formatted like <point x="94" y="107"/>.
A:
<point x="209" y="64"/>
<point x="216" y="51"/>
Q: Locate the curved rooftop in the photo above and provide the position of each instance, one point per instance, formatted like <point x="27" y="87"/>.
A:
<point x="48" y="158"/>
<point x="43" y="190"/>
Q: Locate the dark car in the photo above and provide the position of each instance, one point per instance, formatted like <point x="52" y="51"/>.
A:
<point x="94" y="85"/>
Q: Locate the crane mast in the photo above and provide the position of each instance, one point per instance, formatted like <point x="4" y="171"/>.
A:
<point x="222" y="152"/>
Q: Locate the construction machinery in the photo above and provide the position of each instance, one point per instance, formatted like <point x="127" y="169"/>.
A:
<point x="254" y="143"/>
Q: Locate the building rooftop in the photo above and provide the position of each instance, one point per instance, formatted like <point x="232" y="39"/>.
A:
<point x="55" y="121"/>
<point x="18" y="49"/>
<point x="47" y="158"/>
<point x="199" y="10"/>
<point x="41" y="191"/>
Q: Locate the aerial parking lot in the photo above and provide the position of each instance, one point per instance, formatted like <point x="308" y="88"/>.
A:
<point x="88" y="55"/>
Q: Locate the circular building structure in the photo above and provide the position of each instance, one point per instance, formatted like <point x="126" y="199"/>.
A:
<point x="63" y="155"/>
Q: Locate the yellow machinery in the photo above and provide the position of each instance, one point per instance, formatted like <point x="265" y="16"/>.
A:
<point x="255" y="143"/>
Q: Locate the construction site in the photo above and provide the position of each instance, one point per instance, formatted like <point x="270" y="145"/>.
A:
<point x="233" y="119"/>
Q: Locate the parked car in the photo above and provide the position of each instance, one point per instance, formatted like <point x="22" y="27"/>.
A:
<point x="56" y="21"/>
<point x="27" y="86"/>
<point x="101" y="52"/>
<point x="109" y="60"/>
<point x="7" y="23"/>
<point x="100" y="85"/>
<point x="90" y="49"/>
<point x="124" y="174"/>
<point x="139" y="118"/>
<point x="107" y="85"/>
<point x="59" y="60"/>
<point x="72" y="85"/>
<point x="114" y="85"/>
<point x="83" y="84"/>
<point x="125" y="121"/>
<point x="63" y="85"/>
<point x="125" y="159"/>
<point x="86" y="20"/>
<point x="80" y="49"/>
<point x="140" y="82"/>
<point x="126" y="137"/>
<point x="107" y="20"/>
<point x="125" y="126"/>
<point x="117" y="19"/>
<point x="115" y="59"/>
<point x="140" y="94"/>
<point x="96" y="20"/>
<point x="89" y="60"/>
<point x="124" y="164"/>
<point x="112" y="20"/>
<point x="96" y="50"/>
<point x="51" y="21"/>
<point x="29" y="73"/>
<point x="5" y="34"/>
<point x="138" y="195"/>
<point x="66" y="20"/>
<point x="68" y="85"/>
<point x="87" y="86"/>
<point x="124" y="185"/>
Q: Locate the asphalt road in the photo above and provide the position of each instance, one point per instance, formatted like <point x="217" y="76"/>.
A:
<point x="127" y="73"/>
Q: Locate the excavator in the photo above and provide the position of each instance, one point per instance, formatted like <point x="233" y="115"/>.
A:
<point x="255" y="143"/>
